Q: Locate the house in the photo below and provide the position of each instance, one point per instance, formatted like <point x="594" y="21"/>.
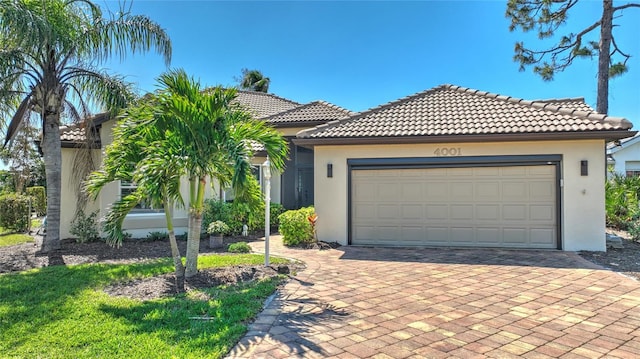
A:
<point x="458" y="167"/>
<point x="293" y="188"/>
<point x="623" y="157"/>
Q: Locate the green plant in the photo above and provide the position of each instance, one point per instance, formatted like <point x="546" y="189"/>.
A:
<point x="622" y="204"/>
<point x="295" y="226"/>
<point x="215" y="210"/>
<point x="218" y="227"/>
<point x="84" y="227"/>
<point x="239" y="247"/>
<point x="157" y="236"/>
<point x="71" y="300"/>
<point x="14" y="212"/>
<point x="39" y="200"/>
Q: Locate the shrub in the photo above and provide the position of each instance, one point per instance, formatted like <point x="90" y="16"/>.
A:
<point x="215" y="210"/>
<point x="14" y="212"/>
<point x="257" y="219"/>
<point x="84" y="227"/>
<point x="236" y="214"/>
<point x="157" y="236"/>
<point x="39" y="199"/>
<point x="239" y="247"/>
<point x="295" y="226"/>
<point x="218" y="227"/>
<point x="622" y="203"/>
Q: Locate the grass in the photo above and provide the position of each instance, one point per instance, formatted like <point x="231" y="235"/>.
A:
<point x="10" y="238"/>
<point x="61" y="312"/>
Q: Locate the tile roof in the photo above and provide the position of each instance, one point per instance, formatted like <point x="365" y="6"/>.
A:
<point x="576" y="103"/>
<point x="315" y="112"/>
<point x="449" y="110"/>
<point x="75" y="134"/>
<point x="262" y="104"/>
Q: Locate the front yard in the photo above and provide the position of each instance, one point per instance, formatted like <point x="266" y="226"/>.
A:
<point x="86" y="310"/>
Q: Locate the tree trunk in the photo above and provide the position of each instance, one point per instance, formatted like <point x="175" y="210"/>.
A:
<point x="195" y="224"/>
<point x="604" y="57"/>
<point x="177" y="261"/>
<point x="52" y="165"/>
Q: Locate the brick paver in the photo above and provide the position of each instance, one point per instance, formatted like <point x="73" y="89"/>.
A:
<point x="357" y="302"/>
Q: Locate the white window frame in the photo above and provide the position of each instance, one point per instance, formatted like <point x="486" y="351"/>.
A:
<point x="141" y="208"/>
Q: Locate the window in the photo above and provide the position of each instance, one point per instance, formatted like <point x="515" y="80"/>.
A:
<point x="632" y="168"/>
<point x="126" y="188"/>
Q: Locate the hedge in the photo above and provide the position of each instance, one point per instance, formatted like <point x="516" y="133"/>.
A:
<point x="14" y="212"/>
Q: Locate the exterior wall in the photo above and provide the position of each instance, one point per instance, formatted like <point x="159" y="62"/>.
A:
<point x="69" y="190"/>
<point x="624" y="155"/>
<point x="582" y="197"/>
<point x="290" y="131"/>
<point x="139" y="224"/>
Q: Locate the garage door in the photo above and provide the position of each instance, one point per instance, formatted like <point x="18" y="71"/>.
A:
<point x="512" y="207"/>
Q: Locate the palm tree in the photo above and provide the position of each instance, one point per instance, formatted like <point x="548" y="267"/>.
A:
<point x="208" y="137"/>
<point x="254" y="80"/>
<point x="50" y="51"/>
<point x="137" y="154"/>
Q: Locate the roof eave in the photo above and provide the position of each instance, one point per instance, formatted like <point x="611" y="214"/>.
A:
<point x="496" y="137"/>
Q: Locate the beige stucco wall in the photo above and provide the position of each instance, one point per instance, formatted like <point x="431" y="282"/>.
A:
<point x="69" y="192"/>
<point x="582" y="197"/>
<point x="291" y="131"/>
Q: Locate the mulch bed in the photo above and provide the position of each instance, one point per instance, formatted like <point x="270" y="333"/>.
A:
<point x="24" y="257"/>
<point x="625" y="260"/>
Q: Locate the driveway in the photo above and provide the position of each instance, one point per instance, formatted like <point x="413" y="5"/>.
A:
<point x="356" y="302"/>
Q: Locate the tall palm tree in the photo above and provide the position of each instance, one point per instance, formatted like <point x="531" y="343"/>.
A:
<point x="207" y="137"/>
<point x="50" y="51"/>
<point x="254" y="80"/>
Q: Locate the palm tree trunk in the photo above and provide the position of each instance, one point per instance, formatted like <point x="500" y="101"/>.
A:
<point x="195" y="224"/>
<point x="175" y="252"/>
<point x="604" y="57"/>
<point x="52" y="165"/>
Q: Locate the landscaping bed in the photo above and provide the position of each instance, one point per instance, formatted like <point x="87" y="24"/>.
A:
<point x="625" y="260"/>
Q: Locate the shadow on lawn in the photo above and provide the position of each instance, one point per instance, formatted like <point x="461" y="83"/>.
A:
<point x="31" y="301"/>
<point x="207" y="323"/>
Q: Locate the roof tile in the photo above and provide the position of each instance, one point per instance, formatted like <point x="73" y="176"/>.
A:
<point x="454" y="110"/>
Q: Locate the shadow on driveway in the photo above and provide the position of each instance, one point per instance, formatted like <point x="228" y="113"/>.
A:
<point x="498" y="257"/>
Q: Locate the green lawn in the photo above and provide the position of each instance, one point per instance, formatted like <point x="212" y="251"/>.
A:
<point x="9" y="238"/>
<point x="61" y="312"/>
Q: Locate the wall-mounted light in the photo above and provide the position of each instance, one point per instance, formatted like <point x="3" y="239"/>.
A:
<point x="329" y="170"/>
<point x="584" y="168"/>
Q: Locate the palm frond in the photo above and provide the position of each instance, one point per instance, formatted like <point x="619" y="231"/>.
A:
<point x="16" y="121"/>
<point x="124" y="34"/>
<point x="116" y="215"/>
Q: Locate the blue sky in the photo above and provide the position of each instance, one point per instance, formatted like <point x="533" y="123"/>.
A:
<point x="360" y="54"/>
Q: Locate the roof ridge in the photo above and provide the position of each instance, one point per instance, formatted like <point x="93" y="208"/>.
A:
<point x="359" y="115"/>
<point x="334" y="106"/>
<point x="564" y="99"/>
<point x="546" y="105"/>
<point x="286" y="111"/>
<point x="268" y="94"/>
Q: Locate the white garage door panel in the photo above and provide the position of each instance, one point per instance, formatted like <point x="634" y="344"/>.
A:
<point x="474" y="206"/>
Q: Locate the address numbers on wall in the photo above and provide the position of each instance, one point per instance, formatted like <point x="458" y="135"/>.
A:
<point x="448" y="151"/>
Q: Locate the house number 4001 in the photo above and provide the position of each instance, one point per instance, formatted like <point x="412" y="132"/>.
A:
<point x="448" y="151"/>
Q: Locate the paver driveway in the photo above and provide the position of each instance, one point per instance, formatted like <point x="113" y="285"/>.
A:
<point x="356" y="302"/>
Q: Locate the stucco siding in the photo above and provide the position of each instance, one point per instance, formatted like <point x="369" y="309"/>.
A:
<point x="624" y="155"/>
<point x="69" y="192"/>
<point x="582" y="197"/>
